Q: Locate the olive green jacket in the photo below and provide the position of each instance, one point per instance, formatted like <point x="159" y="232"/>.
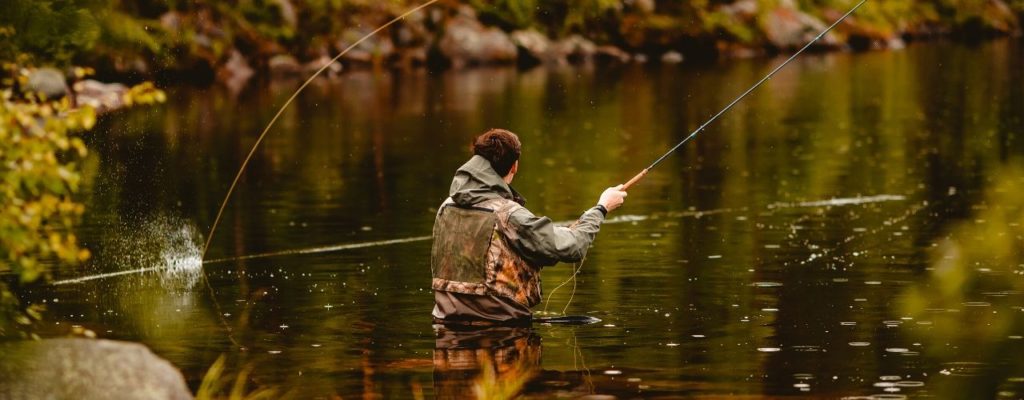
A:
<point x="540" y="242"/>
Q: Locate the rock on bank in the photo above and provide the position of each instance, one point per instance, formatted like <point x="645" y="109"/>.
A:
<point x="82" y="369"/>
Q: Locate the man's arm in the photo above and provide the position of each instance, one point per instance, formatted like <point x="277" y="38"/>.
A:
<point x="542" y="243"/>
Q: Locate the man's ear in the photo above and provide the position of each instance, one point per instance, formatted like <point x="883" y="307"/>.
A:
<point x="515" y="167"/>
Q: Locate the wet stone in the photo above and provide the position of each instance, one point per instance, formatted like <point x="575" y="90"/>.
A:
<point x="86" y="369"/>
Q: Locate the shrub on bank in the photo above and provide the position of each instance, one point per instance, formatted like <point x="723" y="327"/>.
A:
<point x="40" y="152"/>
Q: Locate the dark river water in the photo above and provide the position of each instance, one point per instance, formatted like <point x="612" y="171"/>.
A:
<point x="851" y="229"/>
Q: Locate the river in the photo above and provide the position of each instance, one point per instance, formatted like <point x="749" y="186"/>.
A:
<point x="781" y="253"/>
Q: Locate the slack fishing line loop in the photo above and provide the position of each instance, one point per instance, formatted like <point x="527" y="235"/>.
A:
<point x="700" y="129"/>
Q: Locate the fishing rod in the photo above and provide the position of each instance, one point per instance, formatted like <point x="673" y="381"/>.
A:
<point x="644" y="172"/>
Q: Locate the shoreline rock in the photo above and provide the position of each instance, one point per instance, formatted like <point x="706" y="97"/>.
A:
<point x="87" y="369"/>
<point x="466" y="42"/>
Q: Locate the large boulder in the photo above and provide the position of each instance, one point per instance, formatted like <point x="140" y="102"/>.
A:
<point x="284" y="66"/>
<point x="375" y="49"/>
<point x="576" y="48"/>
<point x="787" y="27"/>
<point x="535" y="47"/>
<point x="864" y="35"/>
<point x="468" y="42"/>
<point x="48" y="83"/>
<point x="83" y="369"/>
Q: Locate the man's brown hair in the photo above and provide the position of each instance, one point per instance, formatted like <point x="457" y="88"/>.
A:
<point x="500" y="147"/>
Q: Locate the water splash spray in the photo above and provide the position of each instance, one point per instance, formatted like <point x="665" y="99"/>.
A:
<point x="165" y="245"/>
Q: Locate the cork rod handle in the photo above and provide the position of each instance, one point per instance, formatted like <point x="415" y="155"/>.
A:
<point x="637" y="178"/>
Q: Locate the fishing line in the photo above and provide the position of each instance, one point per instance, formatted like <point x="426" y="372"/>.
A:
<point x="699" y="129"/>
<point x="618" y="219"/>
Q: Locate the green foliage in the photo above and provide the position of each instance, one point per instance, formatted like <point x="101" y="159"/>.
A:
<point x="126" y="32"/>
<point x="49" y="30"/>
<point x="38" y="165"/>
<point x="122" y="35"/>
<point x="38" y="162"/>
<point x="509" y="14"/>
<point x="40" y="151"/>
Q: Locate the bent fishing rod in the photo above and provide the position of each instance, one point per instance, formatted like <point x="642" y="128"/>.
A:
<point x="700" y="129"/>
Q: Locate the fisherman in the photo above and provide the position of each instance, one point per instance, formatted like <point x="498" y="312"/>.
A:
<point x="489" y="249"/>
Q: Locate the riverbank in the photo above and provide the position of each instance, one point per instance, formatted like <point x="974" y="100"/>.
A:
<point x="460" y="36"/>
<point x="207" y="43"/>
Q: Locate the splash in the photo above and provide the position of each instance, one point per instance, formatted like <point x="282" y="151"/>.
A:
<point x="165" y="246"/>
<point x="181" y="257"/>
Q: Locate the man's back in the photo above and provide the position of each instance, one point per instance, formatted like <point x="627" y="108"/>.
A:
<point x="489" y="249"/>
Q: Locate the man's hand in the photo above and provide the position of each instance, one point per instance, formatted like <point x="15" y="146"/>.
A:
<point x="612" y="198"/>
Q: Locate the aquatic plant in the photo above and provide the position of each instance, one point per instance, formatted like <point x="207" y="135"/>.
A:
<point x="217" y="385"/>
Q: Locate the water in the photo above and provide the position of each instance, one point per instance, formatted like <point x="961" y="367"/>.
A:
<point x="771" y="256"/>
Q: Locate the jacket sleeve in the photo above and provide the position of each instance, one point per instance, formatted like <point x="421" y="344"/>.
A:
<point x="541" y="243"/>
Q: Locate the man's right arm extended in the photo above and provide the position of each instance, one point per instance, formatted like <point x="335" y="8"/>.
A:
<point x="540" y="242"/>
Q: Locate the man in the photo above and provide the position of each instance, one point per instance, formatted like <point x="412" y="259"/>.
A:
<point x="488" y="249"/>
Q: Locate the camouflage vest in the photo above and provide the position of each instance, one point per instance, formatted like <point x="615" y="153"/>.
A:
<point x="471" y="254"/>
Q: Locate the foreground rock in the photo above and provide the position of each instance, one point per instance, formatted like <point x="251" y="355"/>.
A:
<point x="86" y="369"/>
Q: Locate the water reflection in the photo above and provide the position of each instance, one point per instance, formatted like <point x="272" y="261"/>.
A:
<point x="484" y="363"/>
